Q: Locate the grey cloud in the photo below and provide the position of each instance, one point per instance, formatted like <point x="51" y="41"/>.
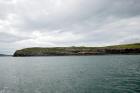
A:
<point x="5" y="9"/>
<point x="68" y="22"/>
<point x="9" y="38"/>
<point x="96" y="11"/>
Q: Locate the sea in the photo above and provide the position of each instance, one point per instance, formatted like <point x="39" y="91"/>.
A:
<point x="70" y="74"/>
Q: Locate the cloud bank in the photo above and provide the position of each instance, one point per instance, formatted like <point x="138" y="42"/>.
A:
<point x="50" y="23"/>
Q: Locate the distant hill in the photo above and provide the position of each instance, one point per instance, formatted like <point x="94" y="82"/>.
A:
<point x="1" y="55"/>
<point x="4" y="55"/>
<point x="66" y="51"/>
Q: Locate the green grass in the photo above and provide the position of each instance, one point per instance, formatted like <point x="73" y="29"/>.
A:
<point x="60" y="49"/>
<point x="136" y="45"/>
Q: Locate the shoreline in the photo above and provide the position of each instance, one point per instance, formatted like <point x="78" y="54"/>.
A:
<point x="76" y="55"/>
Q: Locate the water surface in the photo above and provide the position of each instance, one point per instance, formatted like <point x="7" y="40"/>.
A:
<point x="70" y="74"/>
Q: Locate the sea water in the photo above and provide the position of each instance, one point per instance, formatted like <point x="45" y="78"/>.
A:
<point x="70" y="74"/>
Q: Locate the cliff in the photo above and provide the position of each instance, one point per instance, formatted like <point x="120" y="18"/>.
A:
<point x="62" y="51"/>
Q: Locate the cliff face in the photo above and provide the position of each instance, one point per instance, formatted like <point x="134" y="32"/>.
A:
<point x="62" y="51"/>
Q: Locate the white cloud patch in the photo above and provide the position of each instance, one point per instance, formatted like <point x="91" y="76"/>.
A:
<point x="47" y="23"/>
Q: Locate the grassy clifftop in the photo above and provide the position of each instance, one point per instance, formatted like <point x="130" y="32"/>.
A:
<point x="59" y="51"/>
<point x="136" y="45"/>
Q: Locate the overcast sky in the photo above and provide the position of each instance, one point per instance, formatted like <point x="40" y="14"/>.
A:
<point x="47" y="23"/>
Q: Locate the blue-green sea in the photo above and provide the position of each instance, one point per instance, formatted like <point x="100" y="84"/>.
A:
<point x="70" y="74"/>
